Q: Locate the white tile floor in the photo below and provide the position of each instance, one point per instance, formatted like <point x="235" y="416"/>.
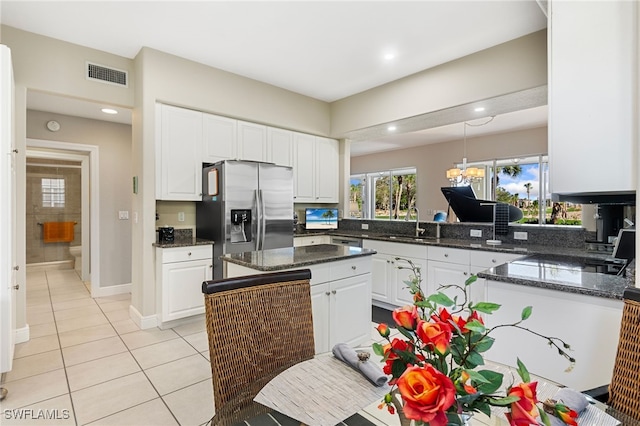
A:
<point x="88" y="363"/>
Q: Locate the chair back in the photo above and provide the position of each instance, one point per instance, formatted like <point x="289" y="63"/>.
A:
<point x="258" y="326"/>
<point x="624" y="390"/>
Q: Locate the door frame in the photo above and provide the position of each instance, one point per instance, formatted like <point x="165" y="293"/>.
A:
<point x="88" y="156"/>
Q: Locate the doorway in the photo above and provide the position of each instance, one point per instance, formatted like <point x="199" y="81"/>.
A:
<point x="65" y="160"/>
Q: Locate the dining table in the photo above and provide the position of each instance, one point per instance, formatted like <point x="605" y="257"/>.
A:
<point x="325" y="391"/>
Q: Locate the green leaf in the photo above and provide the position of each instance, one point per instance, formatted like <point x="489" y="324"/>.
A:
<point x="486" y="307"/>
<point x="476" y="377"/>
<point x="484" y="344"/>
<point x="545" y="418"/>
<point x="397" y="368"/>
<point x="523" y="372"/>
<point x="484" y="409"/>
<point x="440" y="299"/>
<point x="473" y="360"/>
<point x="470" y="280"/>
<point x="476" y="326"/>
<point x="503" y="402"/>
<point x="454" y="420"/>
<point x="377" y="349"/>
<point x="406" y="333"/>
<point x="493" y="381"/>
<point x="526" y="313"/>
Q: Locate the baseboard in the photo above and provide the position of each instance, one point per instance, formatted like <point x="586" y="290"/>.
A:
<point x="143" y="322"/>
<point x="111" y="290"/>
<point x="22" y="334"/>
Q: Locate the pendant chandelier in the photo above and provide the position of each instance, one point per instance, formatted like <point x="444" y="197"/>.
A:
<point x="466" y="175"/>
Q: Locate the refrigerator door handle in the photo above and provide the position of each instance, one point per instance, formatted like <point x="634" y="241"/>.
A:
<point x="263" y="219"/>
<point x="259" y="221"/>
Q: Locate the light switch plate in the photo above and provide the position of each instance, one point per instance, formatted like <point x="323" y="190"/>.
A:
<point x="123" y="215"/>
<point x="476" y="233"/>
<point x="180" y="216"/>
<point x="365" y="226"/>
<point x="520" y="235"/>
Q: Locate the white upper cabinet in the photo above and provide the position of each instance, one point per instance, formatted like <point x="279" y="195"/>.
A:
<point x="219" y="138"/>
<point x="327" y="157"/>
<point x="303" y="168"/>
<point x="178" y="162"/>
<point x="315" y="169"/>
<point x="252" y="141"/>
<point x="592" y="87"/>
<point x="280" y="146"/>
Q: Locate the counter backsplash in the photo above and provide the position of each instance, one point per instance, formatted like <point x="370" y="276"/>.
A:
<point x="559" y="236"/>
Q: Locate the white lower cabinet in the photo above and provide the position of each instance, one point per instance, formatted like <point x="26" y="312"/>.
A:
<point x="180" y="272"/>
<point x="445" y="273"/>
<point x="388" y="288"/>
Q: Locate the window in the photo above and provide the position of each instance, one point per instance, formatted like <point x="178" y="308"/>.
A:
<point x="52" y="192"/>
<point x="524" y="183"/>
<point x="383" y="195"/>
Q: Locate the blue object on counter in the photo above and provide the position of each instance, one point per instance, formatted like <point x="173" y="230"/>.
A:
<point x="440" y="217"/>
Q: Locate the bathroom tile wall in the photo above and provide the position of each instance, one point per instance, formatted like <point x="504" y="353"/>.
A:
<point x="37" y="250"/>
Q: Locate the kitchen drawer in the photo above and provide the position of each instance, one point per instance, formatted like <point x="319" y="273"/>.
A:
<point x="445" y="254"/>
<point x="311" y="240"/>
<point x="183" y="254"/>
<point x="489" y="259"/>
<point x="350" y="268"/>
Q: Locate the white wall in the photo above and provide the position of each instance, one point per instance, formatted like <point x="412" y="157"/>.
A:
<point x="432" y="161"/>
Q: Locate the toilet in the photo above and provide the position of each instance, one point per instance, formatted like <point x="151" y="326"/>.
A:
<point x="76" y="252"/>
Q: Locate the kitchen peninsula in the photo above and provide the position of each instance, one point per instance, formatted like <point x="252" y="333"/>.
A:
<point x="340" y="286"/>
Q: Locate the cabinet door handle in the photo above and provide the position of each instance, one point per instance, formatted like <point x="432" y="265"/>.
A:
<point x="493" y="260"/>
<point x="189" y="254"/>
<point x="17" y="267"/>
<point x="446" y="255"/>
<point x="16" y="287"/>
<point x="464" y="273"/>
<point x="354" y="267"/>
<point x="211" y="266"/>
<point x="327" y="293"/>
<point x="333" y="291"/>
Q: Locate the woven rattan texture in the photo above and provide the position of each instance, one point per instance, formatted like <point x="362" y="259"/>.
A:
<point x="624" y="390"/>
<point x="254" y="334"/>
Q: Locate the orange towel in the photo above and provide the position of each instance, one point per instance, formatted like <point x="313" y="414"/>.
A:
<point x="57" y="232"/>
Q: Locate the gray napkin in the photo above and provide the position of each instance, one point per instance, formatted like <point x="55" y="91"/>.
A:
<point x="572" y="399"/>
<point x="368" y="369"/>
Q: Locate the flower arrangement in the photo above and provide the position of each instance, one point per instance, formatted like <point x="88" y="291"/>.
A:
<point x="435" y="367"/>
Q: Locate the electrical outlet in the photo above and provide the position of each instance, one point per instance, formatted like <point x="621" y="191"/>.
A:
<point x="519" y="235"/>
<point x="123" y="215"/>
<point x="365" y="226"/>
<point x="180" y="216"/>
<point x="476" y="233"/>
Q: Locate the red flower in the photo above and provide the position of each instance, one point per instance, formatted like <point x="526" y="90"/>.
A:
<point x="566" y="414"/>
<point x="435" y="335"/>
<point x="427" y="394"/>
<point x="406" y="317"/>
<point x="524" y="411"/>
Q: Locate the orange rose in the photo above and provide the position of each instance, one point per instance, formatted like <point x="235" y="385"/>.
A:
<point x="427" y="394"/>
<point x="435" y="335"/>
<point x="406" y="317"/>
<point x="524" y="411"/>
<point x="383" y="329"/>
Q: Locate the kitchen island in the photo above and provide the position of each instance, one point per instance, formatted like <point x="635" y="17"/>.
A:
<point x="340" y="286"/>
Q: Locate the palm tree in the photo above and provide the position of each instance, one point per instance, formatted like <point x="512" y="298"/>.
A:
<point x="328" y="215"/>
<point x="528" y="187"/>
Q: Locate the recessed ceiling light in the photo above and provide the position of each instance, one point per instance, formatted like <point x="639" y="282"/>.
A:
<point x="391" y="128"/>
<point x="389" y="56"/>
<point x="479" y="109"/>
<point x="109" y="111"/>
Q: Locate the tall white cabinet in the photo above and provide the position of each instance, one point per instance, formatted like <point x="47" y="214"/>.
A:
<point x="593" y="75"/>
<point x="316" y="169"/>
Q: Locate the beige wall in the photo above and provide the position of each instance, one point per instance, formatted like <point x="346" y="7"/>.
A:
<point x="114" y="145"/>
<point x="432" y="161"/>
<point x="507" y="68"/>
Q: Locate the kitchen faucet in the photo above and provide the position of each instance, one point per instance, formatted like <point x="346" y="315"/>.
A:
<point x="406" y="218"/>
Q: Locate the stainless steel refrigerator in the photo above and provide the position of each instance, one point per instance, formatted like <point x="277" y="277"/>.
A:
<point x="246" y="206"/>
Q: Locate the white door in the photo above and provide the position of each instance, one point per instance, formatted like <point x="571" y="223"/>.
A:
<point x="7" y="208"/>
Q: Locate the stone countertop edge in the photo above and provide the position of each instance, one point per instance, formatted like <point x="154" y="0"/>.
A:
<point x="186" y="242"/>
<point x="288" y="264"/>
<point x="611" y="287"/>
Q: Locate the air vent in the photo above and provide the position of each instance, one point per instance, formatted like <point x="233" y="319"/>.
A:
<point x="106" y="75"/>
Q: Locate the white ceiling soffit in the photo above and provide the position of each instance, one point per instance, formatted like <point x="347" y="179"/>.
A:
<point x="327" y="50"/>
<point x="41" y="101"/>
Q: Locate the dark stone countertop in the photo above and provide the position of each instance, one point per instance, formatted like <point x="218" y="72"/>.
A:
<point x="295" y="257"/>
<point x="184" y="242"/>
<point x="563" y="273"/>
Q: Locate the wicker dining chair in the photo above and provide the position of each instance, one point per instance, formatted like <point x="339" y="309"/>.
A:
<point x="624" y="389"/>
<point x="258" y="326"/>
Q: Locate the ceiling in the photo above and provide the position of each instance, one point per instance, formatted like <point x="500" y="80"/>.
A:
<point x="327" y="50"/>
